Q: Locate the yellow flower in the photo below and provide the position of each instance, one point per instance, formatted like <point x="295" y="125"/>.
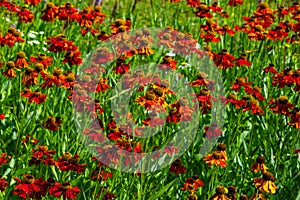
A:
<point x="259" y="165"/>
<point x="266" y="184"/>
<point x="220" y="194"/>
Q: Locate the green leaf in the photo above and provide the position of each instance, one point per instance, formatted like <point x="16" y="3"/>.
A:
<point x="162" y="191"/>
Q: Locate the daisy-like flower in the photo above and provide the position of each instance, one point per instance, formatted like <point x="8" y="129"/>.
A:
<point x="67" y="162"/>
<point x="30" y="77"/>
<point x="25" y="15"/>
<point x="30" y="187"/>
<point x="41" y="153"/>
<point x="37" y="97"/>
<point x="65" y="190"/>
<point x="259" y="165"/>
<point x="192" y="184"/>
<point x="218" y="157"/>
<point x="52" y="123"/>
<point x="281" y="105"/>
<point x="177" y="167"/>
<point x="220" y="194"/>
<point x="10" y="70"/>
<point x="50" y="13"/>
<point x="266" y="183"/>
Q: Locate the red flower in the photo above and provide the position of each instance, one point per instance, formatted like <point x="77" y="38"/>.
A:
<point x="3" y="184"/>
<point x="30" y="77"/>
<point x="121" y="67"/>
<point x="26" y="93"/>
<point x="218" y="157"/>
<point x="242" y="61"/>
<point x="37" y="97"/>
<point x="235" y="2"/>
<point x="67" y="12"/>
<point x="4" y="158"/>
<point x="209" y="37"/>
<point x="30" y="187"/>
<point x="244" y="28"/>
<point x="31" y="139"/>
<point x="42" y="59"/>
<point x="52" y="123"/>
<point x="203" y="11"/>
<point x="42" y="154"/>
<point x="281" y="105"/>
<point x="2" y="116"/>
<point x="278" y="33"/>
<point x="32" y="2"/>
<point x="255" y="92"/>
<point x="10" y="70"/>
<point x="107" y="195"/>
<point x="67" y="162"/>
<point x="50" y="13"/>
<point x="240" y="82"/>
<point x="192" y="184"/>
<point x="25" y="15"/>
<point x="65" y="190"/>
<point x="11" y="37"/>
<point x="215" y="8"/>
<point x="256" y="33"/>
<point x="253" y="105"/>
<point x="282" y="11"/>
<point x="60" y="43"/>
<point x="99" y="17"/>
<point x="271" y="69"/>
<point x="193" y="3"/>
<point x="212" y="131"/>
<point x="232" y="98"/>
<point x="168" y="63"/>
<point x="284" y="78"/>
<point x="177" y="167"/>
<point x="224" y="60"/>
<point x="72" y="58"/>
<point x="103" y="36"/>
<point x="295" y="118"/>
<point x="225" y="29"/>
<point x="100" y="175"/>
<point x="202" y="80"/>
<point x="205" y="100"/>
<point x="102" y="86"/>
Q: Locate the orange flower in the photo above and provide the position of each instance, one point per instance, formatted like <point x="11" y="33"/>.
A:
<point x="259" y="165"/>
<point x="30" y="77"/>
<point x="10" y="70"/>
<point x="218" y="157"/>
<point x="266" y="184"/>
<point x="50" y="13"/>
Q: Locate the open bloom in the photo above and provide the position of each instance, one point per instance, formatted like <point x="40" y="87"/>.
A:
<point x="177" y="167"/>
<point x="281" y="105"/>
<point x="65" y="190"/>
<point x="266" y="184"/>
<point x="52" y="123"/>
<point x="218" y="157"/>
<point x="30" y="187"/>
<point x="192" y="184"/>
<point x="259" y="165"/>
<point x="220" y="194"/>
